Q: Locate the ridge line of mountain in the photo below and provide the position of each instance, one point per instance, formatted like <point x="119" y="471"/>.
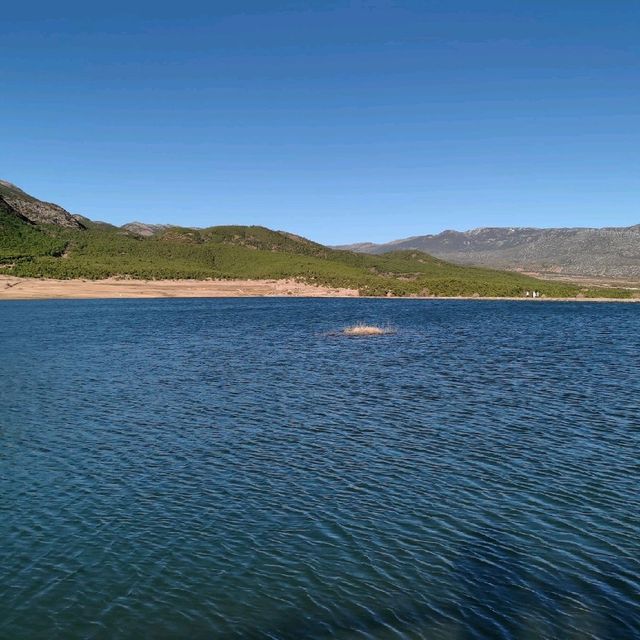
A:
<point x="583" y="251"/>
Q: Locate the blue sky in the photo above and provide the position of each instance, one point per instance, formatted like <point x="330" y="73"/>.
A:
<point x="342" y="121"/>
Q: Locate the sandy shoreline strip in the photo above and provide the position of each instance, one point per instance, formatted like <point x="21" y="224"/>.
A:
<point x="45" y="289"/>
<point x="42" y="289"/>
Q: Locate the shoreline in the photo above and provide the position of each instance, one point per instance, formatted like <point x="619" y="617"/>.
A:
<point x="15" y="288"/>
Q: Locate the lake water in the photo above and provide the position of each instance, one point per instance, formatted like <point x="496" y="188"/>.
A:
<point x="230" y="469"/>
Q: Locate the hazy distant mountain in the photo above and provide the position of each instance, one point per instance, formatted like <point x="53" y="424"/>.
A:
<point x="607" y="252"/>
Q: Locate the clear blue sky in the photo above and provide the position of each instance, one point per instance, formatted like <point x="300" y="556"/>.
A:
<point x="342" y="121"/>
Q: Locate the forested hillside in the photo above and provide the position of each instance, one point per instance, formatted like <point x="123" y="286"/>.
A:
<point x="86" y="249"/>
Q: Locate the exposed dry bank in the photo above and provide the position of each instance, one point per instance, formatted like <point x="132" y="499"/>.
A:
<point x="36" y="288"/>
<point x="14" y="288"/>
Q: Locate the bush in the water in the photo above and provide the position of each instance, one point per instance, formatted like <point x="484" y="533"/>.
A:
<point x="366" y="330"/>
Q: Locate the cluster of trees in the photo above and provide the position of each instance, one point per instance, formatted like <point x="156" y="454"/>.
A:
<point x="21" y="240"/>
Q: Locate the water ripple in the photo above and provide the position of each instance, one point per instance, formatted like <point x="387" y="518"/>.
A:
<point x="234" y="469"/>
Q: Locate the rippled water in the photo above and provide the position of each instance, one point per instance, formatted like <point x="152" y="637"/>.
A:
<point x="229" y="469"/>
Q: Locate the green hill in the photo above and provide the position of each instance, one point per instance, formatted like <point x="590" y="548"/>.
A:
<point x="21" y="240"/>
<point x="98" y="250"/>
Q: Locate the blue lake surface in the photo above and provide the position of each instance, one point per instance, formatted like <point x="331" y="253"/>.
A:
<point x="233" y="469"/>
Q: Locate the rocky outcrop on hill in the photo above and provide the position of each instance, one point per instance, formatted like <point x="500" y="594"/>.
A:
<point x="35" y="211"/>
<point x="612" y="252"/>
<point x="6" y="208"/>
<point x="39" y="212"/>
<point x="144" y="230"/>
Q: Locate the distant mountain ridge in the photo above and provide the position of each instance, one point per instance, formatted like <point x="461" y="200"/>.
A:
<point x="600" y="252"/>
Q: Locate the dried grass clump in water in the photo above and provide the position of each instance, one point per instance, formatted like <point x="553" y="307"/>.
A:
<point x="366" y="330"/>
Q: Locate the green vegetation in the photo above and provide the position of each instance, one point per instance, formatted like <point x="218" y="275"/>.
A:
<point x="101" y="251"/>
<point x="20" y="240"/>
